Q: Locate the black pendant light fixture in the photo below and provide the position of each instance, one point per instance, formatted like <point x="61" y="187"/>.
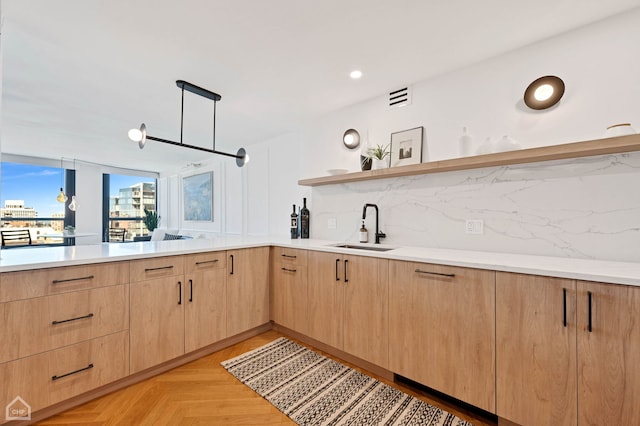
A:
<point x="140" y="135"/>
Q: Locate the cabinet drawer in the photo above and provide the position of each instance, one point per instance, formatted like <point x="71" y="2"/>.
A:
<point x="80" y="368"/>
<point x="148" y="269"/>
<point x="288" y="255"/>
<point x="51" y="377"/>
<point x="205" y="261"/>
<point x="45" y="282"/>
<point x="37" y="325"/>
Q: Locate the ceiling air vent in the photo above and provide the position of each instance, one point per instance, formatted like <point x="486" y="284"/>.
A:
<point x="399" y="98"/>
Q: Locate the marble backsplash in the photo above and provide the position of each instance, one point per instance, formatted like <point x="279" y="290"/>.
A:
<point x="580" y="208"/>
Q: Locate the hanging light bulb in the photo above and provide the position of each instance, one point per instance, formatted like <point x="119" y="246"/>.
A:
<point x="73" y="205"/>
<point x="61" y="198"/>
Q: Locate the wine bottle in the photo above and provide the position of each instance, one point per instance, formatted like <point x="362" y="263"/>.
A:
<point x="304" y="220"/>
<point x="294" y="223"/>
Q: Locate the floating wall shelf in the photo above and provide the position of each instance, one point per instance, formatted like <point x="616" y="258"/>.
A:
<point x="546" y="153"/>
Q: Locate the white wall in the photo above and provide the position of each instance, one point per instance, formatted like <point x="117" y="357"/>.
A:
<point x="587" y="208"/>
<point x="600" y="65"/>
<point x="228" y="197"/>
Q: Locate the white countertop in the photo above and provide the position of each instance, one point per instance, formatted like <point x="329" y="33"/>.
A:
<point x="583" y="269"/>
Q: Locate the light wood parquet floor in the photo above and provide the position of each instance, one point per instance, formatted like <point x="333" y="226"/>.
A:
<point x="203" y="393"/>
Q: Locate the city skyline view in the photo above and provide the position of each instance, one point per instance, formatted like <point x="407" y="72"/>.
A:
<point x="38" y="186"/>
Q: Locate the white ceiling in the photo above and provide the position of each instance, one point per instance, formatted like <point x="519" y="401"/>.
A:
<point x="77" y="74"/>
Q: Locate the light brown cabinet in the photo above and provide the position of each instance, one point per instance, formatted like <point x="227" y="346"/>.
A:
<point x="608" y="354"/>
<point x="348" y="304"/>
<point x="442" y="329"/>
<point x="536" y="349"/>
<point x="205" y="302"/>
<point x="64" y="331"/>
<point x="157" y="311"/>
<point x="326" y="298"/>
<point x="567" y="352"/>
<point x="221" y="295"/>
<point x="247" y="289"/>
<point x="289" y="293"/>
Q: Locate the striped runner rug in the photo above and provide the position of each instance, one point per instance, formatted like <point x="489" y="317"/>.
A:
<point x="314" y="390"/>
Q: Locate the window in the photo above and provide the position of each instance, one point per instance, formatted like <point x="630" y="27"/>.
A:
<point x="29" y="203"/>
<point x="125" y="198"/>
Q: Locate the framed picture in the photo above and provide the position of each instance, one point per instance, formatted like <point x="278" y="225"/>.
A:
<point x="197" y="197"/>
<point x="406" y="147"/>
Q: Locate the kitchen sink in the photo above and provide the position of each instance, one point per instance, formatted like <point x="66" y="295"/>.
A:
<point x="363" y="247"/>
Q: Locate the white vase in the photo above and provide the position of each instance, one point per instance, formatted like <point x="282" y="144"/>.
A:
<point x="487" y="147"/>
<point x="465" y="142"/>
<point x="379" y="164"/>
<point x="507" y="143"/>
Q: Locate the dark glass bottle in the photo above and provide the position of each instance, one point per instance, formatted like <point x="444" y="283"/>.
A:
<point x="304" y="220"/>
<point x="294" y="223"/>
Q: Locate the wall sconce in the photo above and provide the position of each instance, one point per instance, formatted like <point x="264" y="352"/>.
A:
<point x="351" y="139"/>
<point x="544" y="92"/>
<point x="140" y="135"/>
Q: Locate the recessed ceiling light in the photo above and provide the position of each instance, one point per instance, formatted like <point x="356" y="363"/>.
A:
<point x="356" y="74"/>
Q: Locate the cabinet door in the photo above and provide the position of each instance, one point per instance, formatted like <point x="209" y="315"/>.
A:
<point x="289" y="288"/>
<point x="536" y="349"/>
<point x="205" y="300"/>
<point x="608" y="354"/>
<point x="290" y="296"/>
<point x="247" y="289"/>
<point x="326" y="298"/>
<point x="157" y="321"/>
<point x="366" y="309"/>
<point x="442" y="329"/>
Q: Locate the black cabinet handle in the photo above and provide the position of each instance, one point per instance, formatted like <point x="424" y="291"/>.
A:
<point x="89" y="277"/>
<point x="337" y="269"/>
<point x="564" y="307"/>
<point x="90" y="315"/>
<point x="231" y="264"/>
<point x="158" y="269"/>
<point x="346" y="277"/>
<point x="207" y="261"/>
<point x="440" y="274"/>
<point x="289" y="256"/>
<point x="288" y="270"/>
<point x="190" y="290"/>
<point x="590" y="326"/>
<point x="179" y="292"/>
<point x="88" y="367"/>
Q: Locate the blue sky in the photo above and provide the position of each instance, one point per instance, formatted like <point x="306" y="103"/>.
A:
<point x="39" y="186"/>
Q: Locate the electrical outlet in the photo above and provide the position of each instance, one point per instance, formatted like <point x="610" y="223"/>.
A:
<point x="332" y="223"/>
<point x="474" y="226"/>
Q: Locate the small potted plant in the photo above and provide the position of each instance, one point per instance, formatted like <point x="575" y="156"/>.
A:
<point x="379" y="156"/>
<point x="150" y="220"/>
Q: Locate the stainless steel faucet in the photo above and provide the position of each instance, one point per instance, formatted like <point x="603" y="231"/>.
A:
<point x="379" y="234"/>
